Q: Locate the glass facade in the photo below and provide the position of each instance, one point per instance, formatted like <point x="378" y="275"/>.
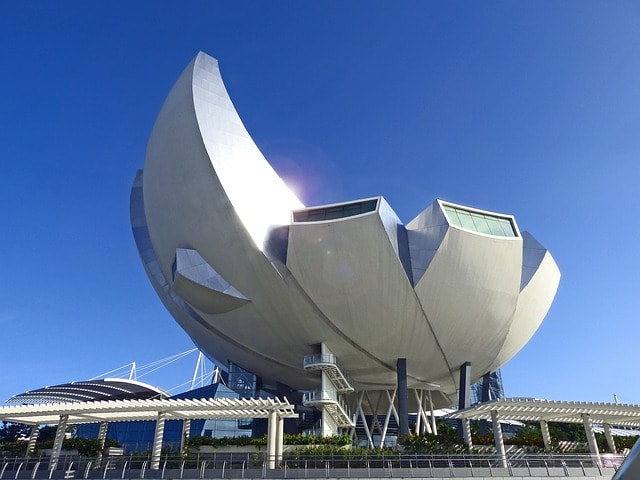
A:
<point x="480" y="222"/>
<point x="337" y="211"/>
<point x="243" y="382"/>
<point x="248" y="385"/>
<point x="137" y="436"/>
<point x="496" y="389"/>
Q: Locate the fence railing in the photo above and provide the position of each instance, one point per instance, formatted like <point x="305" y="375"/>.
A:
<point x="255" y="465"/>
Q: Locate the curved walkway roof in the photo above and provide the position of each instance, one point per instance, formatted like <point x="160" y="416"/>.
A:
<point x="535" y="410"/>
<point x="90" y="391"/>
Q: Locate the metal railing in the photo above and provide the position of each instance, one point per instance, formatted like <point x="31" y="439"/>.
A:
<point x="333" y="403"/>
<point x="348" y="465"/>
<point x="319" y="396"/>
<point x="329" y="362"/>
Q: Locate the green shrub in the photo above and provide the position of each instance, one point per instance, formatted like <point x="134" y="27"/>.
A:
<point x="242" y="441"/>
<point x="13" y="449"/>
<point x="337" y="440"/>
<point x="443" y="443"/>
<point x="529" y="435"/>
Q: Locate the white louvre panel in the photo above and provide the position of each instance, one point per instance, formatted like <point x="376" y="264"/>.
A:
<point x="129" y="410"/>
<point x="533" y="409"/>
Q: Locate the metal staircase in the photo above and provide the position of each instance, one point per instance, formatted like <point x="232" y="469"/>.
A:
<point x="332" y="405"/>
<point x="330" y="401"/>
<point x="329" y="364"/>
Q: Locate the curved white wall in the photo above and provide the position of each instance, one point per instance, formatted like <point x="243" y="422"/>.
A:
<point x="369" y="288"/>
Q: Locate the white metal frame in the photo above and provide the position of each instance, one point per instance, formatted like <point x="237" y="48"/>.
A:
<point x="160" y="410"/>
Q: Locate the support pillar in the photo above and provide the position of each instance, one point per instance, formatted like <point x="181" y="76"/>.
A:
<point x="403" y="397"/>
<point x="426" y="418"/>
<point x="485" y="397"/>
<point x="591" y="437"/>
<point x="33" y="438"/>
<point x="271" y="440"/>
<point x="466" y="433"/>
<point x="102" y="433"/>
<point x="418" y="430"/>
<point x="57" y="442"/>
<point x="497" y="437"/>
<point x="609" y="437"/>
<point x="186" y="433"/>
<point x="279" y="439"/>
<point x="364" y="421"/>
<point x="464" y="397"/>
<point x="391" y="410"/>
<point x="156" y="450"/>
<point x="426" y="427"/>
<point x="434" y="427"/>
<point x="546" y="436"/>
<point x="374" y="413"/>
<point x="102" y="436"/>
<point x="328" y="388"/>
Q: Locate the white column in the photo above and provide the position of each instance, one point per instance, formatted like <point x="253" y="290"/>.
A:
<point x="57" y="442"/>
<point x="102" y="433"/>
<point x="186" y="429"/>
<point x="365" y="425"/>
<point x="391" y="399"/>
<point x="33" y="437"/>
<point x="279" y="439"/>
<point x="156" y="450"/>
<point x="609" y="437"/>
<point x="354" y="416"/>
<point x="374" y="411"/>
<point x="102" y="436"/>
<point x="422" y="423"/>
<point x="497" y="437"/>
<point x="434" y="427"/>
<point x="328" y="390"/>
<point x="546" y="437"/>
<point x="427" y="425"/>
<point x="418" y="430"/>
<point x="466" y="433"/>
<point x="272" y="428"/>
<point x="591" y="437"/>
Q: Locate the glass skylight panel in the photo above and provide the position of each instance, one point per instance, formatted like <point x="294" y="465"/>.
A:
<point x="480" y="222"/>
<point x="335" y="212"/>
<point x="453" y="216"/>
<point x="466" y="221"/>
<point x="507" y="227"/>
<point x="495" y="226"/>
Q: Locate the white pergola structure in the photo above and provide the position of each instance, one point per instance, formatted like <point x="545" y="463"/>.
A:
<point x="544" y="411"/>
<point x="160" y="410"/>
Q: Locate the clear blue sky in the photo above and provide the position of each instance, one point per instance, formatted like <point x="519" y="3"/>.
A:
<point x="530" y="108"/>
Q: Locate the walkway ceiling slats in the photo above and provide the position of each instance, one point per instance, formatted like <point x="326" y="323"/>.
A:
<point x="535" y="410"/>
<point x="129" y="410"/>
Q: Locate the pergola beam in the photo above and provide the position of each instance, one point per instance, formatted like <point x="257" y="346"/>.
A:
<point x="130" y="410"/>
<point x="160" y="410"/>
<point x="534" y="410"/>
<point x="543" y="411"/>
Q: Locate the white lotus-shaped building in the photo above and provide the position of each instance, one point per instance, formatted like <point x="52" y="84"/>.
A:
<point x="324" y="298"/>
